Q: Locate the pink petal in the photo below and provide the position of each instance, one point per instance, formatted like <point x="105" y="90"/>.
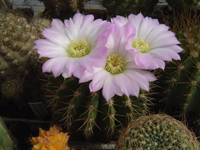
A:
<point x="58" y="24"/>
<point x="126" y="85"/>
<point x="55" y="37"/>
<point x="98" y="81"/>
<point x="108" y="88"/>
<point x="143" y="59"/>
<point x="148" y="75"/>
<point x="136" y="20"/>
<point x="138" y="78"/>
<point x="119" y="20"/>
<point x="167" y="38"/>
<point x="161" y="29"/>
<point x="147" y="25"/>
<point x="166" y="54"/>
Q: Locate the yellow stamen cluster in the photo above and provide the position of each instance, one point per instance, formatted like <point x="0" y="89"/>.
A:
<point x="79" y="48"/>
<point x="114" y="64"/>
<point x="53" y="139"/>
<point x="141" y="44"/>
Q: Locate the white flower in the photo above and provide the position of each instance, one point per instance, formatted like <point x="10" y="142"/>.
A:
<point x="74" y="46"/>
<point x="153" y="42"/>
<point x="120" y="75"/>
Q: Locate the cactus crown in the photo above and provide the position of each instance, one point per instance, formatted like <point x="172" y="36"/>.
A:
<point x="157" y="132"/>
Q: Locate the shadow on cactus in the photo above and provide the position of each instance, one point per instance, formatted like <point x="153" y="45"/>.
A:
<point x="160" y="132"/>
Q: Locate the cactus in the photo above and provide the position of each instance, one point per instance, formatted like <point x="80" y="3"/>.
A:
<point x="180" y="80"/>
<point x="18" y="61"/>
<point x="53" y="139"/>
<point x="182" y="5"/>
<point x="124" y="8"/>
<point x="78" y="109"/>
<point x="160" y="132"/>
<point x="6" y="143"/>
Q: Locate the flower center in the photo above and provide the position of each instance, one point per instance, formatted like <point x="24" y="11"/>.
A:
<point x="79" y="48"/>
<point x="114" y="64"/>
<point x="141" y="44"/>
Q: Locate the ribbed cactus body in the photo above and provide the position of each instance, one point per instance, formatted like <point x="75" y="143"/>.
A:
<point x="80" y="110"/>
<point x="160" y="132"/>
<point x="18" y="59"/>
<point x="6" y="142"/>
<point x="182" y="78"/>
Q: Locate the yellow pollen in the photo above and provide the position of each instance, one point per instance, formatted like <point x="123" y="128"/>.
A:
<point x="114" y="64"/>
<point x="79" y="48"/>
<point x="141" y="44"/>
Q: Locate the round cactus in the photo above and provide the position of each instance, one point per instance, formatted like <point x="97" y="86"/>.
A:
<point x="17" y="58"/>
<point x="80" y="110"/>
<point x="160" y="132"/>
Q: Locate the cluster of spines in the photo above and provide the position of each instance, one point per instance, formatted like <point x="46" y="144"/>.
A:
<point x="78" y="109"/>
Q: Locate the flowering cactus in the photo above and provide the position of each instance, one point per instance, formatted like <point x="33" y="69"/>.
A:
<point x="113" y="56"/>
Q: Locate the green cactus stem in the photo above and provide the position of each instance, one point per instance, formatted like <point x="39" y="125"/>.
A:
<point x="90" y="113"/>
<point x="6" y="143"/>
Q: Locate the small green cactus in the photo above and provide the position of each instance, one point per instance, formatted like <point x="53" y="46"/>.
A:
<point x="78" y="109"/>
<point x="6" y="142"/>
<point x="158" y="132"/>
<point x="17" y="58"/>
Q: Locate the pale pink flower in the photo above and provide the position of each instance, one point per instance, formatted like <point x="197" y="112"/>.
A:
<point x="153" y="42"/>
<point x="73" y="46"/>
<point x="120" y="75"/>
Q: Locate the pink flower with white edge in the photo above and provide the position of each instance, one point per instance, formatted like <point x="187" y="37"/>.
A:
<point x="152" y="44"/>
<point x="73" y="46"/>
<point x="120" y="75"/>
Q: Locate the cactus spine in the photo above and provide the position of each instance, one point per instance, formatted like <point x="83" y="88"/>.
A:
<point x="90" y="112"/>
<point x="157" y="132"/>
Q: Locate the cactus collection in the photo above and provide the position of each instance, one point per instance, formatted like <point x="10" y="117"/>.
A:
<point x="158" y="132"/>
<point x="78" y="109"/>
<point x="97" y="67"/>
<point x="18" y="61"/>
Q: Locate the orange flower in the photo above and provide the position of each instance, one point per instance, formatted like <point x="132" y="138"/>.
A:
<point x="53" y="139"/>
